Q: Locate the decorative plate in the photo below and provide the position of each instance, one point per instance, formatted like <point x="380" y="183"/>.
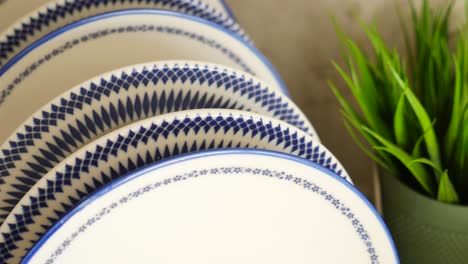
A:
<point x="53" y="15"/>
<point x="138" y="145"/>
<point x="223" y="206"/>
<point x="121" y="97"/>
<point x="110" y="41"/>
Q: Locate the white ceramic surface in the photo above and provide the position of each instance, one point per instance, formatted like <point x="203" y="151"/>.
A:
<point x="135" y="93"/>
<point x="93" y="46"/>
<point x="138" y="145"/>
<point x="55" y="14"/>
<point x="222" y="207"/>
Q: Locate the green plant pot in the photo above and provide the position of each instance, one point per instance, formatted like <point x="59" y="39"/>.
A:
<point x="424" y="230"/>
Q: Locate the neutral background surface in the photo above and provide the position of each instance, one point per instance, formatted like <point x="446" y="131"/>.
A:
<point x="298" y="37"/>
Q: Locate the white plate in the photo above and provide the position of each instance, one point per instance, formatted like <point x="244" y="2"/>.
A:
<point x="228" y="206"/>
<point x="106" y="42"/>
<point x="56" y="14"/>
<point x="84" y="113"/>
<point x="138" y="145"/>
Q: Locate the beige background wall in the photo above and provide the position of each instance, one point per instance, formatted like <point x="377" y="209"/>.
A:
<point x="297" y="36"/>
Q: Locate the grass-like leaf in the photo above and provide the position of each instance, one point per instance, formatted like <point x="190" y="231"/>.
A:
<point x="417" y="151"/>
<point x="460" y="97"/>
<point x="365" y="91"/>
<point x="430" y="138"/>
<point x="418" y="171"/>
<point x="446" y="192"/>
<point x="426" y="162"/>
<point x="356" y="121"/>
<point x="399" y="124"/>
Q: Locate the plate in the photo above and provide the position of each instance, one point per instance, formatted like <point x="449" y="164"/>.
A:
<point x="56" y="14"/>
<point x="106" y="42"/>
<point x="138" y="145"/>
<point x="12" y="11"/>
<point x="225" y="206"/>
<point x="121" y="97"/>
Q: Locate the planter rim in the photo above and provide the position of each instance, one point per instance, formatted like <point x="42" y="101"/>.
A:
<point x="442" y="215"/>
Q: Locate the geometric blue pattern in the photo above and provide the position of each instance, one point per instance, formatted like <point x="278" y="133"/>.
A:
<point x="143" y="145"/>
<point x="45" y="19"/>
<point x="231" y="55"/>
<point x="360" y="229"/>
<point x="84" y="115"/>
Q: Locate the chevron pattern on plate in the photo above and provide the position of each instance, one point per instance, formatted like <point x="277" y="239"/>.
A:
<point x="122" y="97"/>
<point x="141" y="144"/>
<point x="24" y="32"/>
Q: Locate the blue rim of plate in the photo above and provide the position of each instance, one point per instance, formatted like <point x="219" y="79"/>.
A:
<point x="195" y="155"/>
<point x="89" y="20"/>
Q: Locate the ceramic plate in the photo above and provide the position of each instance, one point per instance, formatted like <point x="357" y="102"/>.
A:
<point x="225" y="206"/>
<point x="106" y="42"/>
<point x="12" y="11"/>
<point x="56" y="14"/>
<point x="121" y="97"/>
<point x="138" y="145"/>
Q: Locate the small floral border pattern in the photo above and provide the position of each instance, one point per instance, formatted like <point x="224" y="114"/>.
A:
<point x="120" y="30"/>
<point x="339" y="205"/>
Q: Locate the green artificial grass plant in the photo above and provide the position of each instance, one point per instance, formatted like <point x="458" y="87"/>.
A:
<point x="413" y="110"/>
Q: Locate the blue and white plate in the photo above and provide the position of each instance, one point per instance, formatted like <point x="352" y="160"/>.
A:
<point x="222" y="206"/>
<point x="53" y="15"/>
<point x="138" y="145"/>
<point x="121" y="97"/>
<point x="96" y="45"/>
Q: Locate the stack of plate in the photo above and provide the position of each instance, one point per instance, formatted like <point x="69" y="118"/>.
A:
<point x="155" y="132"/>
